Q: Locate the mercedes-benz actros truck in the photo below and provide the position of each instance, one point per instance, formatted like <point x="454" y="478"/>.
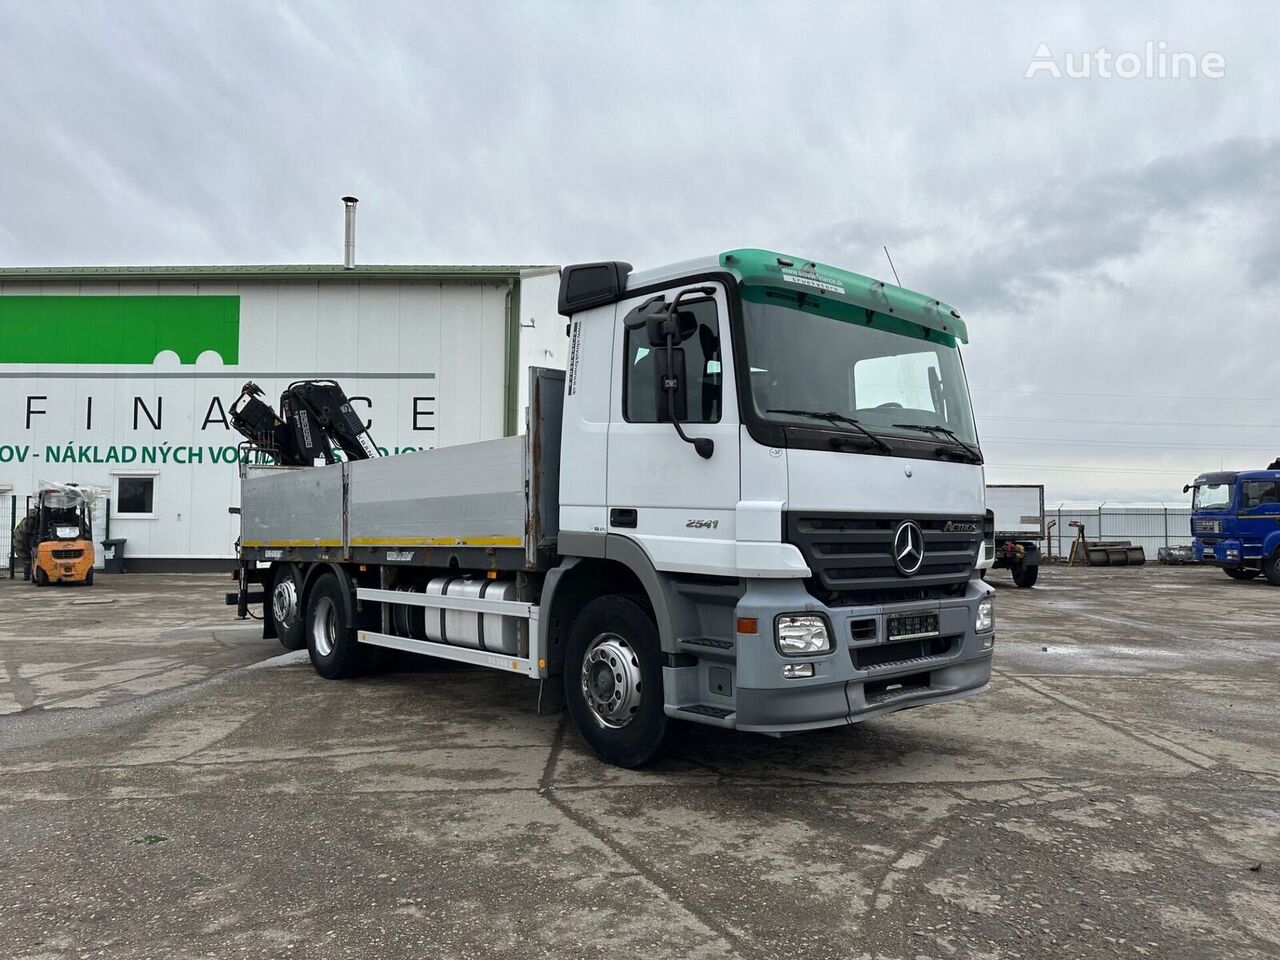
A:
<point x="753" y="499"/>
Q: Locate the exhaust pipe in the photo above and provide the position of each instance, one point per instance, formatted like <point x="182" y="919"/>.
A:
<point x="349" y="243"/>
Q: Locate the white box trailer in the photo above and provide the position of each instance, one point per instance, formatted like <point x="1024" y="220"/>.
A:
<point x="752" y="500"/>
<point x="1018" y="527"/>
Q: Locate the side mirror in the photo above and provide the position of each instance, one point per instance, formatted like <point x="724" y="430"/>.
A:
<point x="660" y="320"/>
<point x="669" y="385"/>
<point x="667" y="325"/>
<point x="653" y="309"/>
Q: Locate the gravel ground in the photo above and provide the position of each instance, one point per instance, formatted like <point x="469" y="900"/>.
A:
<point x="172" y="786"/>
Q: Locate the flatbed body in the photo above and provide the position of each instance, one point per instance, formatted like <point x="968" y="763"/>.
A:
<point x="489" y="505"/>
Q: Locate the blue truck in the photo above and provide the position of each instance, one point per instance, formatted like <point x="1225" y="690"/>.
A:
<point x="1235" y="522"/>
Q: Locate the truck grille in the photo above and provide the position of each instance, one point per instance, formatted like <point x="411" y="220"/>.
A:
<point x="851" y="556"/>
<point x="1207" y="526"/>
<point x="67" y="554"/>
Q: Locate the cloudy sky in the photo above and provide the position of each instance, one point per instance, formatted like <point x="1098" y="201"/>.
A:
<point x="1113" y="243"/>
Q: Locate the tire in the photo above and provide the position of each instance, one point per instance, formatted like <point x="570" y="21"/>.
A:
<point x="613" y="681"/>
<point x="88" y="578"/>
<point x="1271" y="569"/>
<point x="1241" y="573"/>
<point x="1025" y="576"/>
<point x="286" y="607"/>
<point x="39" y="577"/>
<point x="335" y="654"/>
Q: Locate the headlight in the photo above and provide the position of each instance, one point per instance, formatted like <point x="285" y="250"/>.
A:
<point x="802" y="635"/>
<point x="986" y="618"/>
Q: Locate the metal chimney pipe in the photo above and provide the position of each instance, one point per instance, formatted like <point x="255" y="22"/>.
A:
<point x="349" y="244"/>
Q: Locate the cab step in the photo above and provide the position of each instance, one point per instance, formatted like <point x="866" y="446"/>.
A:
<point x="704" y="713"/>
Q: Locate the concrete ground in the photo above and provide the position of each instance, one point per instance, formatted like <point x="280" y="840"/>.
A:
<point x="172" y="787"/>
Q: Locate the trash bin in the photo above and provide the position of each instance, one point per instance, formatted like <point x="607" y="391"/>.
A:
<point x="113" y="555"/>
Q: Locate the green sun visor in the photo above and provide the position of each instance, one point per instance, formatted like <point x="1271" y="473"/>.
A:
<point x="786" y="281"/>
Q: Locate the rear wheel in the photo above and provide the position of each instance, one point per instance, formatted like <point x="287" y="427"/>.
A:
<point x="286" y="607"/>
<point x="613" y="681"/>
<point x="1240" y="573"/>
<point x="40" y="578"/>
<point x="88" y="578"/>
<point x="335" y="654"/>
<point x="1271" y="569"/>
<point x="1026" y="576"/>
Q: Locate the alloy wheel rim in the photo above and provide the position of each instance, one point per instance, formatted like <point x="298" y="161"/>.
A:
<point x="284" y="601"/>
<point x="611" y="682"/>
<point x="324" y="627"/>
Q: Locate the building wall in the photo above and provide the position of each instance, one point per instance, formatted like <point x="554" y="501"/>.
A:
<point x="425" y="362"/>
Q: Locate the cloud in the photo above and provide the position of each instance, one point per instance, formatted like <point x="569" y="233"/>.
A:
<point x="1110" y="242"/>
<point x="1081" y="231"/>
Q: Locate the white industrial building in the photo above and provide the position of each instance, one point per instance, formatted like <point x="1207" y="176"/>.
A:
<point x="121" y="377"/>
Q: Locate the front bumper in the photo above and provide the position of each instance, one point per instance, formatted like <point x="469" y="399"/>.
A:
<point x="865" y="675"/>
<point x="1225" y="553"/>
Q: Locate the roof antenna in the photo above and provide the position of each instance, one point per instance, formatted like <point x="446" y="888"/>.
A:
<point x="892" y="267"/>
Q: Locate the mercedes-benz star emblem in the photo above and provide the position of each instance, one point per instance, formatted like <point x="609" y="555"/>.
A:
<point x="908" y="547"/>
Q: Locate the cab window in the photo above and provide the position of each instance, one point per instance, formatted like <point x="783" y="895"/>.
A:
<point x="702" y="375"/>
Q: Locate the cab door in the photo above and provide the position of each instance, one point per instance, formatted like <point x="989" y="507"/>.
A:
<point x="1259" y="516"/>
<point x="679" y="507"/>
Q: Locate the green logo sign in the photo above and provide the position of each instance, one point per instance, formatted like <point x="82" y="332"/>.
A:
<point x="125" y="329"/>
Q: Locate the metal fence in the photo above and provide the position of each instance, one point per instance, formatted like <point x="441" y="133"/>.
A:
<point x="8" y="519"/>
<point x="1150" y="527"/>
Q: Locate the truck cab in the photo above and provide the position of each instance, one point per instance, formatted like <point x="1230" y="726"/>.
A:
<point x="1235" y="522"/>
<point x="817" y="515"/>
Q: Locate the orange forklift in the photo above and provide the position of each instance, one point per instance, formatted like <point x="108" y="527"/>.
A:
<point x="60" y="535"/>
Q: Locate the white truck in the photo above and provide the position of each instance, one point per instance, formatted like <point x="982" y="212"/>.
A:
<point x="1017" y="521"/>
<point x="754" y="499"/>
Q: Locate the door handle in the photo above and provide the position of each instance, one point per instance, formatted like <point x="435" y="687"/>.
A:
<point x="622" y="517"/>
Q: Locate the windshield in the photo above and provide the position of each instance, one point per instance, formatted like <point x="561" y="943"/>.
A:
<point x="1211" y="496"/>
<point x="887" y="381"/>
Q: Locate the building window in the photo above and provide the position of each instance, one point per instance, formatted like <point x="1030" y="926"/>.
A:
<point x="135" y="497"/>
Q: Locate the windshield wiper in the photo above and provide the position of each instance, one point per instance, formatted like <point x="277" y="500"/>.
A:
<point x="941" y="431"/>
<point x="831" y="417"/>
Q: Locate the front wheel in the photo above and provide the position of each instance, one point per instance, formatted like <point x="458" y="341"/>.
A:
<point x="1239" y="573"/>
<point x="1026" y="576"/>
<point x="1271" y="569"/>
<point x="613" y="681"/>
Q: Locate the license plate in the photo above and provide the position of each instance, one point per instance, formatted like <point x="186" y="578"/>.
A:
<point x="910" y="626"/>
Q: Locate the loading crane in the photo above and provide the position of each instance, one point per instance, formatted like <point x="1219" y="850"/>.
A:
<point x="315" y="416"/>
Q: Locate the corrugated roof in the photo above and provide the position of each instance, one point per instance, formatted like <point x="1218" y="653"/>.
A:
<point x="303" y="271"/>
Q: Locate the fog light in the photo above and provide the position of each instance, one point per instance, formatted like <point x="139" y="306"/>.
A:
<point x="793" y="670"/>
<point x="986" y="618"/>
<point x="801" y="635"/>
<point x="988" y="641"/>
